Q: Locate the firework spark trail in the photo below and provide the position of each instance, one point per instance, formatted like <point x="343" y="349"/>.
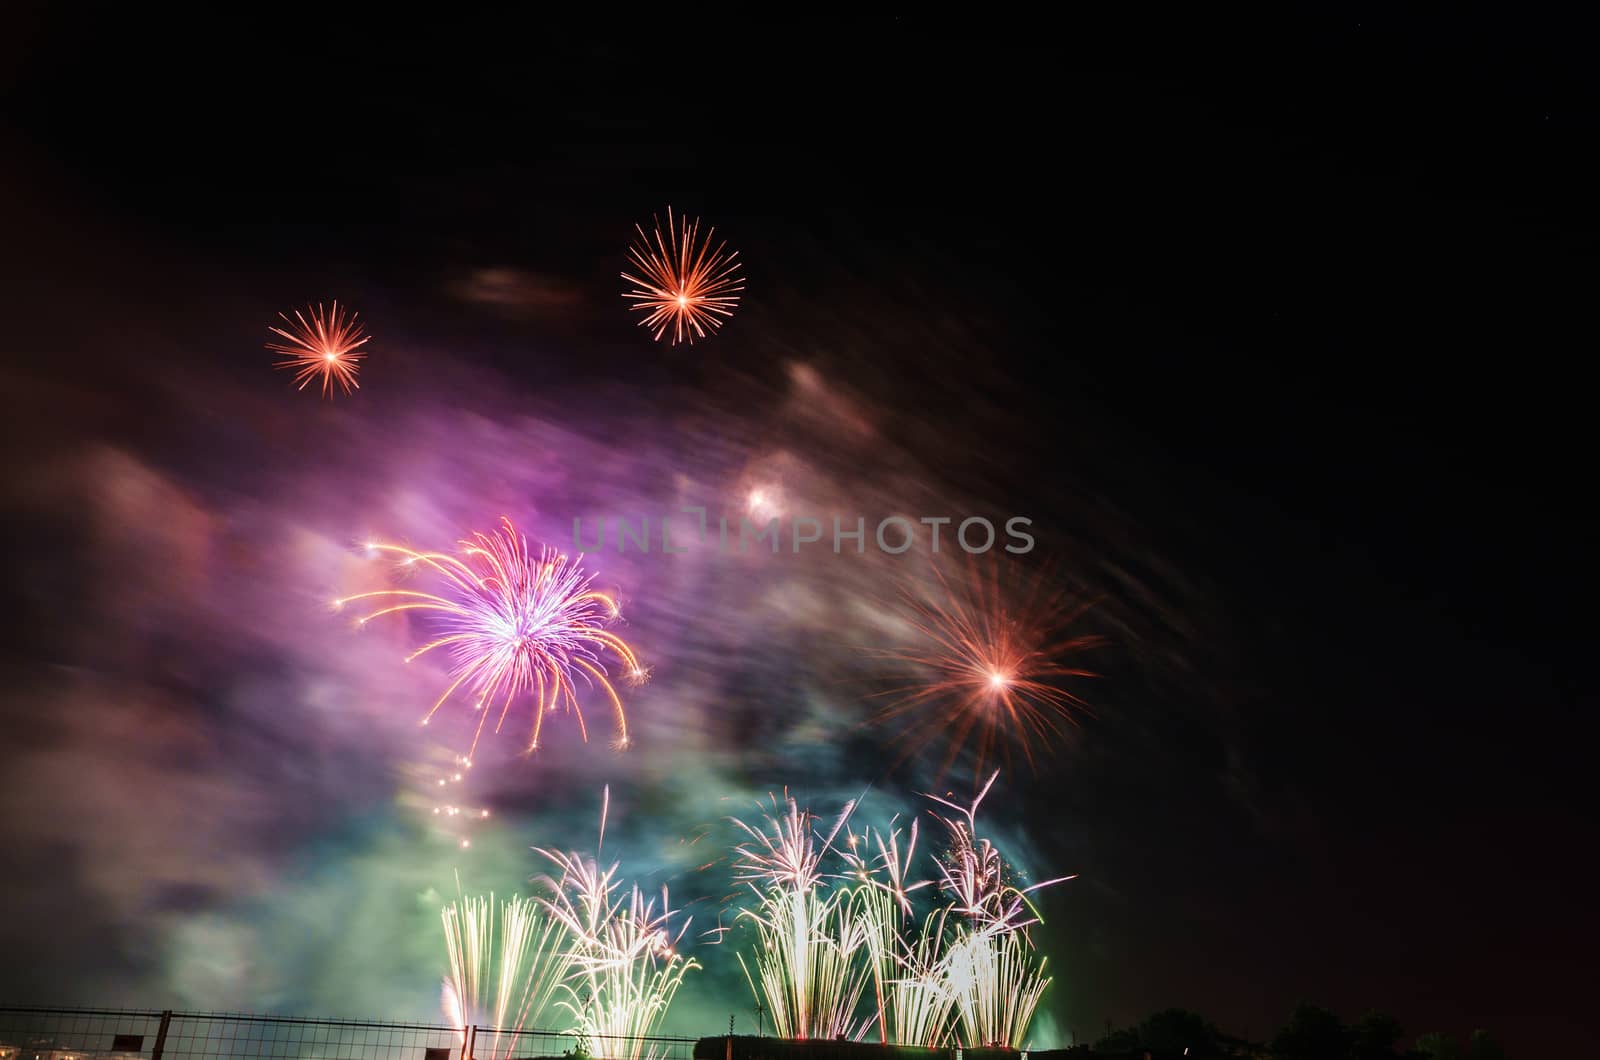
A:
<point x="806" y="971"/>
<point x="920" y="998"/>
<point x="326" y="347"/>
<point x="886" y="902"/>
<point x="788" y="856"/>
<point x="994" y="987"/>
<point x="682" y="284"/>
<point x="967" y="974"/>
<point x="990" y="658"/>
<point x="988" y="969"/>
<point x="624" y="960"/>
<point x="891" y="862"/>
<point x="514" y="623"/>
<point x="879" y="932"/>
<point x="506" y="978"/>
<point x="974" y="873"/>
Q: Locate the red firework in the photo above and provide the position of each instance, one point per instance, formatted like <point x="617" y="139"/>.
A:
<point x="325" y="347"/>
<point x="683" y="285"/>
<point x="992" y="665"/>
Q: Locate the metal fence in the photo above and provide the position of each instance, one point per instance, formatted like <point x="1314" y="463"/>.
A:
<point x="28" y="1033"/>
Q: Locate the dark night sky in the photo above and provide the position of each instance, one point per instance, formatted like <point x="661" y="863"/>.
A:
<point x="1299" y="303"/>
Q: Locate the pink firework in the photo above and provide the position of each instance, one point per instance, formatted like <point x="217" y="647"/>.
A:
<point x="515" y="622"/>
<point x="325" y="347"/>
<point x="975" y="877"/>
<point x="785" y="854"/>
<point x="682" y="286"/>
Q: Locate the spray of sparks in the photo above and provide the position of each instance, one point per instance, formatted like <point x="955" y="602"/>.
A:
<point x="624" y="963"/>
<point x="965" y="974"/>
<point x="514" y="622"/>
<point x="322" y="346"/>
<point x="683" y="286"/>
<point x="974" y="875"/>
<point x="992" y="661"/>
<point x="591" y="949"/>
<point x="507" y="962"/>
<point x="806" y="969"/>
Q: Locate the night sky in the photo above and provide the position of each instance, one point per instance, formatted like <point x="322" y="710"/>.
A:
<point x="1274" y="328"/>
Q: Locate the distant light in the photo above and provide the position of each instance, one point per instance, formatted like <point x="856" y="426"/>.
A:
<point x="998" y="680"/>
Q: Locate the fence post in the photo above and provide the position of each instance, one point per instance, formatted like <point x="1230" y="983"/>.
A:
<point x="161" y="1035"/>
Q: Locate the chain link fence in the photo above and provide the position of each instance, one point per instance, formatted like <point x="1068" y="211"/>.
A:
<point x="31" y="1033"/>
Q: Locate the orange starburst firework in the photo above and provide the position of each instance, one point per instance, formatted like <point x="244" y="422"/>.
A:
<point x="683" y="285"/>
<point x="325" y="347"/>
<point x="992" y="659"/>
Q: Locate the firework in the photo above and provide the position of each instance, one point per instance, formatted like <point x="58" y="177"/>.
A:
<point x="974" y="874"/>
<point x="807" y="970"/>
<point x="514" y="622"/>
<point x="625" y="966"/>
<point x="920" y="998"/>
<point x="326" y="347"/>
<point x="965" y="974"/>
<point x="785" y="854"/>
<point x="885" y="895"/>
<point x="503" y="978"/>
<point x="992" y="661"/>
<point x="994" y="985"/>
<point x="682" y="286"/>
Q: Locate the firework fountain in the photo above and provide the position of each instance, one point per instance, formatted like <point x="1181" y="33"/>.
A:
<point x="505" y="978"/>
<point x="965" y="973"/>
<point x="810" y="930"/>
<point x="625" y="964"/>
<point x="592" y="949"/>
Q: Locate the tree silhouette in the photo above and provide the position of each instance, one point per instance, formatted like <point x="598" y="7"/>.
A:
<point x="1374" y="1037"/>
<point x="1175" y="1030"/>
<point x="1124" y="1040"/>
<point x="1438" y="1046"/>
<point x="1312" y="1033"/>
<point x="1482" y="1047"/>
